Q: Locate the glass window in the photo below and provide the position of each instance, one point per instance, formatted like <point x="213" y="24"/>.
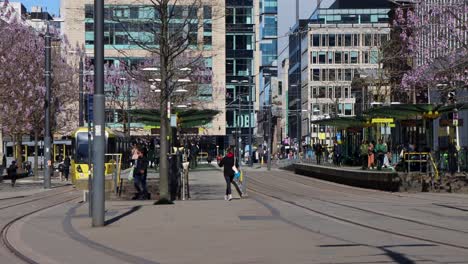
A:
<point x="316" y="74"/>
<point x="243" y="16"/>
<point x="207" y="27"/>
<point x="332" y="40"/>
<point x="229" y="15"/>
<point x="207" y="12"/>
<point x="313" y="58"/>
<point x="316" y="40"/>
<point x="339" y="74"/>
<point x="207" y="40"/>
<point x="356" y="40"/>
<point x="322" y="92"/>
<point x="346" y="92"/>
<point x="324" y="74"/>
<point x="348" y="40"/>
<point x="338" y="57"/>
<point x="354" y="57"/>
<point x="330" y="57"/>
<point x="340" y="109"/>
<point x="368" y="40"/>
<point x="376" y="39"/>
<point x="322" y="55"/>
<point x="339" y="41"/>
<point x="330" y="92"/>
<point x="383" y="39"/>
<point x="89" y="26"/>
<point x="348" y="109"/>
<point x="89" y="11"/>
<point x="338" y="92"/>
<point x="374" y="57"/>
<point x="134" y="12"/>
<point x="280" y="88"/>
<point x="332" y="75"/>
<point x="229" y="42"/>
<point x="346" y="57"/>
<point x="348" y="76"/>
<point x="324" y="40"/>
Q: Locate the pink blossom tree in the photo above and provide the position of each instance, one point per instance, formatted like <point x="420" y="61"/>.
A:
<point x="434" y="36"/>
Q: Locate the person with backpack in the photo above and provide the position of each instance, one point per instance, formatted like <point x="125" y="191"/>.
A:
<point x="228" y="162"/>
<point x="12" y="173"/>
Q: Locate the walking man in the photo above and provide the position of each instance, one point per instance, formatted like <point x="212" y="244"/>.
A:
<point x="139" y="175"/>
<point x="12" y="173"/>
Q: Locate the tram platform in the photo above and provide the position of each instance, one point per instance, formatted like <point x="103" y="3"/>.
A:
<point x="354" y="176"/>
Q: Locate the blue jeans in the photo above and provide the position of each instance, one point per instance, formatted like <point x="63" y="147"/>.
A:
<point x="140" y="184"/>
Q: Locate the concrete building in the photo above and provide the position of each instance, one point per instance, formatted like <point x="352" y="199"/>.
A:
<point x="336" y="44"/>
<point x="210" y="39"/>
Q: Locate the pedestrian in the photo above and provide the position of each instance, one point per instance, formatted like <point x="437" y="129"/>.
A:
<point x="318" y="152"/>
<point x="12" y="173"/>
<point x="229" y="162"/>
<point x="370" y="155"/>
<point x="337" y="152"/>
<point x="66" y="167"/>
<point x="134" y="153"/>
<point x="363" y="151"/>
<point x="381" y="150"/>
<point x="139" y="176"/>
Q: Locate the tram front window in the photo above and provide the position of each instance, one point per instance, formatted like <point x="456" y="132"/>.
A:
<point x="82" y="148"/>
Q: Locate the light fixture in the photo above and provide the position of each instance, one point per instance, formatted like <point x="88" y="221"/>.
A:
<point x="150" y="69"/>
<point x="181" y="90"/>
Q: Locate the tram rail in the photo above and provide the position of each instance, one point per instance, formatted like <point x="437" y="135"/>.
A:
<point x="281" y="193"/>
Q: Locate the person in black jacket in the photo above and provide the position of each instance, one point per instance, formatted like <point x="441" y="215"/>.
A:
<point x="139" y="176"/>
<point x="12" y="173"/>
<point x="228" y="162"/>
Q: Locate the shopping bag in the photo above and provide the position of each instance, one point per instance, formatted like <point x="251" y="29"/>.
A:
<point x="130" y="175"/>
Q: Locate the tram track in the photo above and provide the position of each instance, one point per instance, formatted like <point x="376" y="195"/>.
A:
<point x="351" y="190"/>
<point x="267" y="190"/>
<point x="31" y="200"/>
<point x="31" y="207"/>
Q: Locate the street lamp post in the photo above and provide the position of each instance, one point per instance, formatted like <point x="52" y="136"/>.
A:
<point x="47" y="139"/>
<point x="81" y="97"/>
<point x="99" y="143"/>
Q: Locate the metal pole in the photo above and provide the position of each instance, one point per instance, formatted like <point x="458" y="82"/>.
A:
<point x="80" y="84"/>
<point x="251" y="118"/>
<point x="128" y="108"/>
<point x="239" y="129"/>
<point x="47" y="139"/>
<point x="269" y="135"/>
<point x="90" y="155"/>
<point x="99" y="143"/>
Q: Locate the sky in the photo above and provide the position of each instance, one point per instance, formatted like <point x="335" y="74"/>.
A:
<point x="53" y="6"/>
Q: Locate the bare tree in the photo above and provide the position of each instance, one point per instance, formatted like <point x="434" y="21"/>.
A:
<point x="175" y="52"/>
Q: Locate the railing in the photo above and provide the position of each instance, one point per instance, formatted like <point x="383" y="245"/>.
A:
<point x="115" y="161"/>
<point x="421" y="158"/>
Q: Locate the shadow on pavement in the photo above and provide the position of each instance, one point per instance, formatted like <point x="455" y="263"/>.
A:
<point x="117" y="218"/>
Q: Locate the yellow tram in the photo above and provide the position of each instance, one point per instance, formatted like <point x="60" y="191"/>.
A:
<point x="117" y="157"/>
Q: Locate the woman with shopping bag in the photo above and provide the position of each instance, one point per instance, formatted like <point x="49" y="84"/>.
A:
<point x="231" y="168"/>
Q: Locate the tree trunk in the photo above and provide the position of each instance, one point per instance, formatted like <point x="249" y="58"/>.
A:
<point x="36" y="154"/>
<point x="18" y="151"/>
<point x="163" y="162"/>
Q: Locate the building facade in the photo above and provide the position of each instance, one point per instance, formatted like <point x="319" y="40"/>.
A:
<point x="339" y="44"/>
<point x="208" y="38"/>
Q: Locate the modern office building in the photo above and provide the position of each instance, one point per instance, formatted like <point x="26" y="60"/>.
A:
<point x="241" y="95"/>
<point x="209" y="38"/>
<point x="337" y="44"/>
<point x="267" y="34"/>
